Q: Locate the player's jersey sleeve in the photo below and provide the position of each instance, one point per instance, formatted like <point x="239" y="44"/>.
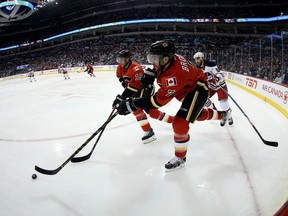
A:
<point x="119" y="71"/>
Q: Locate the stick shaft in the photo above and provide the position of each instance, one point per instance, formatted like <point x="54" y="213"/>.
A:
<point x="270" y="143"/>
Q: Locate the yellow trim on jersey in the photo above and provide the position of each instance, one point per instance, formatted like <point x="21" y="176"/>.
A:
<point x="203" y="85"/>
<point x="154" y="103"/>
<point x="192" y="105"/>
<point x="132" y="89"/>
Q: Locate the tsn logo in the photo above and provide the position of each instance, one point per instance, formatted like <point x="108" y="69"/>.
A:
<point x="251" y="83"/>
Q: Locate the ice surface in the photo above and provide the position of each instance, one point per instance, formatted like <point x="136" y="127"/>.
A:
<point x="229" y="171"/>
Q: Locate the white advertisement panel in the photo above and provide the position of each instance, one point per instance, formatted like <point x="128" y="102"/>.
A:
<point x="273" y="93"/>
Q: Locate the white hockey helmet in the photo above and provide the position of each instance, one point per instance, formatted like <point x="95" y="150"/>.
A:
<point x="198" y="55"/>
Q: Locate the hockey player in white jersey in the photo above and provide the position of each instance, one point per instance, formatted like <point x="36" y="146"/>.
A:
<point x="64" y="71"/>
<point x="31" y="75"/>
<point x="216" y="84"/>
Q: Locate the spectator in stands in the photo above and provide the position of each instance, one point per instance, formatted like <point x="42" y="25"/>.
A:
<point x="285" y="78"/>
<point x="278" y="78"/>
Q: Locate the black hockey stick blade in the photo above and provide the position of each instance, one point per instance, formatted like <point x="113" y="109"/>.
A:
<point x="266" y="142"/>
<point x="82" y="158"/>
<point x="47" y="172"/>
<point x="55" y="171"/>
<point x="86" y="157"/>
<point x="269" y="143"/>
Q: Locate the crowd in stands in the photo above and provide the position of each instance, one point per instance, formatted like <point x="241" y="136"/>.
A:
<point x="244" y="59"/>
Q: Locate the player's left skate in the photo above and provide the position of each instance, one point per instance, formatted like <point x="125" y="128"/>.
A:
<point x="230" y="121"/>
<point x="148" y="137"/>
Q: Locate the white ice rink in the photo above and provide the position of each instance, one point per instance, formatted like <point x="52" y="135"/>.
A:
<point x="229" y="171"/>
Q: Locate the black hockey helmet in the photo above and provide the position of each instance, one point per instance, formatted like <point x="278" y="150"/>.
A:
<point x="162" y="47"/>
<point x="124" y="54"/>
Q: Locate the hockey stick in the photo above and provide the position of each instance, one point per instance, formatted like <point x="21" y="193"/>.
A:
<point x="270" y="143"/>
<point x="55" y="171"/>
<point x="86" y="157"/>
<point x="101" y="129"/>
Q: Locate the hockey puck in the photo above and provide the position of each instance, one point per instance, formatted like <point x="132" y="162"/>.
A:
<point x="34" y="176"/>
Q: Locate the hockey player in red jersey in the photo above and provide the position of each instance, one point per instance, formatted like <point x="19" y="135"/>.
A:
<point x="178" y="79"/>
<point x="130" y="74"/>
<point x="216" y="84"/>
<point x="90" y="70"/>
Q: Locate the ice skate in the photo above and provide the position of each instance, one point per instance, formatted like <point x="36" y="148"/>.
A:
<point x="175" y="163"/>
<point x="230" y="121"/>
<point x="226" y="115"/>
<point x="148" y="137"/>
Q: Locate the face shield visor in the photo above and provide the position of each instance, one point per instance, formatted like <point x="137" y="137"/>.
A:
<point x="154" y="59"/>
<point x="120" y="60"/>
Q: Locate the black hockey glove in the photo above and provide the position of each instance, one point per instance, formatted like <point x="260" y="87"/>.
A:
<point x="148" y="91"/>
<point x="117" y="100"/>
<point x="148" y="76"/>
<point x="124" y="81"/>
<point x="126" y="106"/>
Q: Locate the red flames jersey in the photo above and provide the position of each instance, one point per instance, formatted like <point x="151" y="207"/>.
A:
<point x="89" y="67"/>
<point x="134" y="73"/>
<point x="179" y="79"/>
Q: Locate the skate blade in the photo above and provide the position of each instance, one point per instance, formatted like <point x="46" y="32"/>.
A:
<point x="230" y="122"/>
<point x="176" y="168"/>
<point x="222" y="124"/>
<point x="151" y="139"/>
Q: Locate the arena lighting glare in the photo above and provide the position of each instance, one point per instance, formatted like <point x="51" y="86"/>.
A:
<point x="16" y="10"/>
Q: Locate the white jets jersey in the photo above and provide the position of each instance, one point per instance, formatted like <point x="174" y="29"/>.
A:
<point x="31" y="74"/>
<point x="62" y="70"/>
<point x="214" y="76"/>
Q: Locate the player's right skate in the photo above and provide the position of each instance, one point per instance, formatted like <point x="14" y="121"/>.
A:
<point x="226" y="115"/>
<point x="175" y="163"/>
